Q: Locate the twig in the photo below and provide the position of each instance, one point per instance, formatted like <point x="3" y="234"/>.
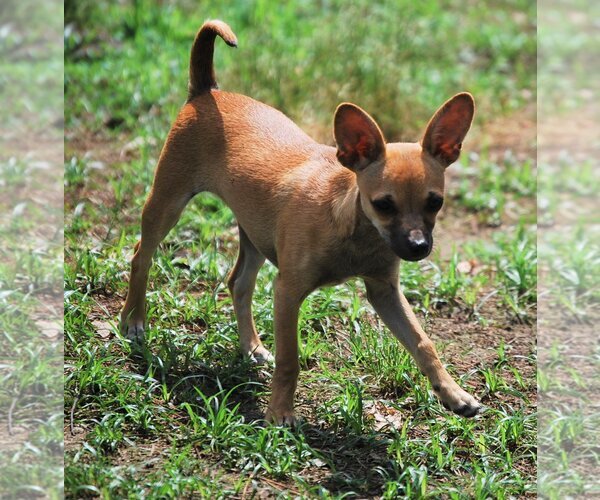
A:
<point x="280" y="486"/>
<point x="10" y="412"/>
<point x="247" y="486"/>
<point x="71" y="424"/>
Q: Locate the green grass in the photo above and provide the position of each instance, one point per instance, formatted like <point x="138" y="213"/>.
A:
<point x="183" y="415"/>
<point x="565" y="48"/>
<point x="400" y="59"/>
<point x="568" y="373"/>
<point x="487" y="186"/>
<point x="31" y="66"/>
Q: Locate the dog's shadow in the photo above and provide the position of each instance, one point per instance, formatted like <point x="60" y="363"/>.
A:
<point x="352" y="462"/>
<point x="358" y="463"/>
<point x="232" y="376"/>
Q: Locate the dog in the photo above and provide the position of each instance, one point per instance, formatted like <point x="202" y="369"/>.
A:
<point x="320" y="214"/>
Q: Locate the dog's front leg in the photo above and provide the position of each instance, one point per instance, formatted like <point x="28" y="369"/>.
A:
<point x="287" y="367"/>
<point x="396" y="313"/>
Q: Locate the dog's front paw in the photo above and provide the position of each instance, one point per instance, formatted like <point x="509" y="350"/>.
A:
<point x="260" y="356"/>
<point x="457" y="400"/>
<point x="285" y="418"/>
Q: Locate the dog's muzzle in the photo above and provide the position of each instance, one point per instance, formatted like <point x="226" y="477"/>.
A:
<point x="415" y="245"/>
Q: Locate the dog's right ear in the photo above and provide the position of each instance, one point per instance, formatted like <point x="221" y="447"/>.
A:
<point x="359" y="139"/>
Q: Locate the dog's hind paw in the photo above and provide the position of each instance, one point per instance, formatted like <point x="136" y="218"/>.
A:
<point x="260" y="356"/>
<point x="133" y="332"/>
<point x="284" y="419"/>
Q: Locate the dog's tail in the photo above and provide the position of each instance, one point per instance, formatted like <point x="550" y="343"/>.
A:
<point x="202" y="72"/>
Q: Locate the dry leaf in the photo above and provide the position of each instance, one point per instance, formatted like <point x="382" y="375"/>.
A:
<point x="103" y="329"/>
<point x="50" y="329"/>
<point x="471" y="267"/>
<point x="384" y="416"/>
<point x="464" y="267"/>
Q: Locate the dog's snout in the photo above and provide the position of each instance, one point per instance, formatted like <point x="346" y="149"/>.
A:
<point x="412" y="245"/>
<point x="417" y="241"/>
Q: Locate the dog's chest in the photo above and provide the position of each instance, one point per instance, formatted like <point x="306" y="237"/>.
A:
<point x="363" y="254"/>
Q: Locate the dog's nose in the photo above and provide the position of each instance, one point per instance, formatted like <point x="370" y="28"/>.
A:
<point x="417" y="242"/>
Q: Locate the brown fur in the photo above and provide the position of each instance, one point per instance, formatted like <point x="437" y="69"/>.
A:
<point x="307" y="207"/>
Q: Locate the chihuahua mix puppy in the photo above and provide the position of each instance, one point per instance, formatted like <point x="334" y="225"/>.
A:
<point x="321" y="214"/>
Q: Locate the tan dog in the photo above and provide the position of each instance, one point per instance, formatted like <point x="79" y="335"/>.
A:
<point x="320" y="214"/>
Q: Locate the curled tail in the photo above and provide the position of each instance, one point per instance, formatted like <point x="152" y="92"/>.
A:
<point x="202" y="72"/>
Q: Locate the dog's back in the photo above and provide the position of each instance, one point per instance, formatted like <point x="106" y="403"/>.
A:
<point x="235" y="147"/>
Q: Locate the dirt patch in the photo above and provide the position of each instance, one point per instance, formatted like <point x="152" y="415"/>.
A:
<point x="516" y="132"/>
<point x="14" y="441"/>
<point x="457" y="226"/>
<point x="98" y="146"/>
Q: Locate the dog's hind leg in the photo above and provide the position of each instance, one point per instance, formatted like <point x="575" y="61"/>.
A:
<point x="241" y="282"/>
<point x="161" y="212"/>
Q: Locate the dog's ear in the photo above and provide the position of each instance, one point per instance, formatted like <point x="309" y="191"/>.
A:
<point x="448" y="128"/>
<point x="359" y="139"/>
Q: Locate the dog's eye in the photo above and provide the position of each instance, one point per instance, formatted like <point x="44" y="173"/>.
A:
<point x="434" y="202"/>
<point x="384" y="205"/>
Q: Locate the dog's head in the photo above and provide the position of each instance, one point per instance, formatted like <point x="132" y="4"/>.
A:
<point x="402" y="184"/>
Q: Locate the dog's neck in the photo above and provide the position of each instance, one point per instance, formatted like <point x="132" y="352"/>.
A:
<point x="345" y="206"/>
<point x="348" y="215"/>
<point x="360" y="249"/>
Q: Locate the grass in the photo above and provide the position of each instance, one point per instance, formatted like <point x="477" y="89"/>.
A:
<point x="399" y="69"/>
<point x="183" y="416"/>
<point x="487" y="186"/>
<point x="567" y="376"/>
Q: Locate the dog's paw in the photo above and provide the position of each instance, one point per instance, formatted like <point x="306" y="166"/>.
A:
<point x="284" y="418"/>
<point x="133" y="331"/>
<point x="260" y="356"/>
<point x="457" y="400"/>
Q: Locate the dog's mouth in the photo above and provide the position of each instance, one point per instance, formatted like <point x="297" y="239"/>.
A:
<point x="412" y="256"/>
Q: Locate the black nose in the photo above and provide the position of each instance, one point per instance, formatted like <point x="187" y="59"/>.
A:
<point x="417" y="243"/>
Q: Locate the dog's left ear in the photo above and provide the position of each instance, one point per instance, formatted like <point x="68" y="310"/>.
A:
<point x="448" y="128"/>
<point x="359" y="139"/>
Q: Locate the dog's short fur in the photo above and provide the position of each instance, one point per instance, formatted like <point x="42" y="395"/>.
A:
<point x="320" y="214"/>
